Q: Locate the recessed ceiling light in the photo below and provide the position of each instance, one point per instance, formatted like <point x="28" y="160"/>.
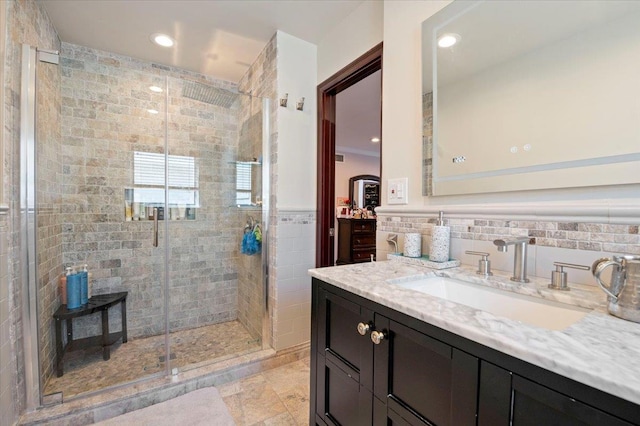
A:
<point x="152" y="111"/>
<point x="375" y="140"/>
<point x="448" y="40"/>
<point x="155" y="89"/>
<point x="162" y="40"/>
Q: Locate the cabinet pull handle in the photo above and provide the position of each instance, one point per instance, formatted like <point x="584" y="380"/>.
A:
<point x="377" y="337"/>
<point x="363" y="328"/>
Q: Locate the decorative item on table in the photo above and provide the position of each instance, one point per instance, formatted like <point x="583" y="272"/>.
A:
<point x="439" y="251"/>
<point x="343" y="205"/>
<point x="368" y="213"/>
<point x="357" y="214"/>
<point x="413" y="244"/>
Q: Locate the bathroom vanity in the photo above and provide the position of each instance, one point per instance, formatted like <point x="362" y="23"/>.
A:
<point x="384" y="353"/>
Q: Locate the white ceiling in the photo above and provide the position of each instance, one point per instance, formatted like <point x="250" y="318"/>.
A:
<point x="216" y="38"/>
<point x="358" y="110"/>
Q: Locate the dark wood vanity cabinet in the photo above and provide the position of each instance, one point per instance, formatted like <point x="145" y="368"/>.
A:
<point x="356" y="240"/>
<point x="418" y="374"/>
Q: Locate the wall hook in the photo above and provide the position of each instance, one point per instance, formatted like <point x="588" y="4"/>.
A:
<point x="300" y="104"/>
<point x="283" y="101"/>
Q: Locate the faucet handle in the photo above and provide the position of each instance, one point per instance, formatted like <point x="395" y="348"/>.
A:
<point x="484" y="264"/>
<point x="559" y="277"/>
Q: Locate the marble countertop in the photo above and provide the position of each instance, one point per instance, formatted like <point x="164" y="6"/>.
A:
<point x="599" y="350"/>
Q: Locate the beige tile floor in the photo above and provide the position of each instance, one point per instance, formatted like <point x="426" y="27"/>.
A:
<point x="277" y="397"/>
<point x="85" y="371"/>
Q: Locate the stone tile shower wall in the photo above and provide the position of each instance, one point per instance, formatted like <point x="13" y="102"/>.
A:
<point x="250" y="274"/>
<point x="427" y="144"/>
<point x="260" y="81"/>
<point x="105" y="119"/>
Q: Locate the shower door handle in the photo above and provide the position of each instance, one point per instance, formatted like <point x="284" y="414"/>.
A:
<point x="155" y="227"/>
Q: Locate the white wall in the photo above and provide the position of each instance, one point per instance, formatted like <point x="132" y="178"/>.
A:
<point x="297" y="76"/>
<point x="295" y="193"/>
<point x="350" y="38"/>
<point x="401" y="89"/>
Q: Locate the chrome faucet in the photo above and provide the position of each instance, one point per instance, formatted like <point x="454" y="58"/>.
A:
<point x="519" y="256"/>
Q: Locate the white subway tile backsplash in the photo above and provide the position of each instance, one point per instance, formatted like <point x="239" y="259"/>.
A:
<point x="295" y="251"/>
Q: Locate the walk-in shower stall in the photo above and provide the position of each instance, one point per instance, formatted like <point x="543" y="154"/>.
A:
<point x="157" y="179"/>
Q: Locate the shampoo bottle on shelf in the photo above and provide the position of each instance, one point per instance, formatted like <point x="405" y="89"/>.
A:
<point x="74" y="282"/>
<point x="440" y="236"/>
<point x="63" y="286"/>
<point x="84" y="285"/>
<point x="89" y="283"/>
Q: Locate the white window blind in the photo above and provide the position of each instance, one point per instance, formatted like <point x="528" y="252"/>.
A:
<point x="148" y="169"/>
<point x="243" y="183"/>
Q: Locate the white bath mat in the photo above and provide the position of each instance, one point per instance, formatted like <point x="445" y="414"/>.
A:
<point x="200" y="407"/>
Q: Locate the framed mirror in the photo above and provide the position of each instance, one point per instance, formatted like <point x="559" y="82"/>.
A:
<point x="364" y="191"/>
<point x="531" y="95"/>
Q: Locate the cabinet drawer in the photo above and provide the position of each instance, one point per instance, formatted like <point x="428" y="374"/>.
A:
<point x="363" y="255"/>
<point x="342" y="401"/>
<point x="361" y="226"/>
<point x="363" y="240"/>
<point x="338" y="337"/>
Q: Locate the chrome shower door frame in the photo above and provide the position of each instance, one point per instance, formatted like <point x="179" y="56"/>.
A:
<point x="28" y="227"/>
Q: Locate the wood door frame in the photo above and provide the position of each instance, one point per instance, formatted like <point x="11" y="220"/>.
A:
<point x="362" y="67"/>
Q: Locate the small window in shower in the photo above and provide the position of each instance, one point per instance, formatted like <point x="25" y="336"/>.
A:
<point x="148" y="190"/>
<point x="243" y="183"/>
<point x="248" y="183"/>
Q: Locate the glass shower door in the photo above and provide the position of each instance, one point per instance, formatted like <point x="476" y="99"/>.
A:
<point x="100" y="184"/>
<point x="215" y="196"/>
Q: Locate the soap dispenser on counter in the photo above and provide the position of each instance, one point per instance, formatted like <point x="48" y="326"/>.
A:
<point x="440" y="237"/>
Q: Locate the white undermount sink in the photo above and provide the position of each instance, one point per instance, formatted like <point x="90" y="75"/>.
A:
<point x="531" y="310"/>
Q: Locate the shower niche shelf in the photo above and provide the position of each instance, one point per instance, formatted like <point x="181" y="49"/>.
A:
<point x="140" y="202"/>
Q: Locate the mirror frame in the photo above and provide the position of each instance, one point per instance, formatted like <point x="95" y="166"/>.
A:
<point x="353" y="179"/>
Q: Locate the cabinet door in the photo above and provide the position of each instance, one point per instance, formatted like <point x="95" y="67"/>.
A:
<point x="420" y="377"/>
<point x="534" y="404"/>
<point x="508" y="399"/>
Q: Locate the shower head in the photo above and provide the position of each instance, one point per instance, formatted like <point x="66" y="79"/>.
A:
<point x="209" y="94"/>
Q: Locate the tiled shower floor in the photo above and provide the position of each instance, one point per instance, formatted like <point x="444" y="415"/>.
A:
<point x="85" y="371"/>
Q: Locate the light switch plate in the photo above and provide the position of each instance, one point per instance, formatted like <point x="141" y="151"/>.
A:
<point x="398" y="191"/>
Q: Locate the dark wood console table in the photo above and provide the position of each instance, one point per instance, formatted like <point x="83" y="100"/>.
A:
<point x="99" y="303"/>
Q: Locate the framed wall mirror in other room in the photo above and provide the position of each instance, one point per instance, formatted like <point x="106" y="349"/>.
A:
<point x="364" y="191"/>
<point x="525" y="95"/>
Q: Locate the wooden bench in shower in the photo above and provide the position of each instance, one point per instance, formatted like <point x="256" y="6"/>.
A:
<point x="98" y="303"/>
